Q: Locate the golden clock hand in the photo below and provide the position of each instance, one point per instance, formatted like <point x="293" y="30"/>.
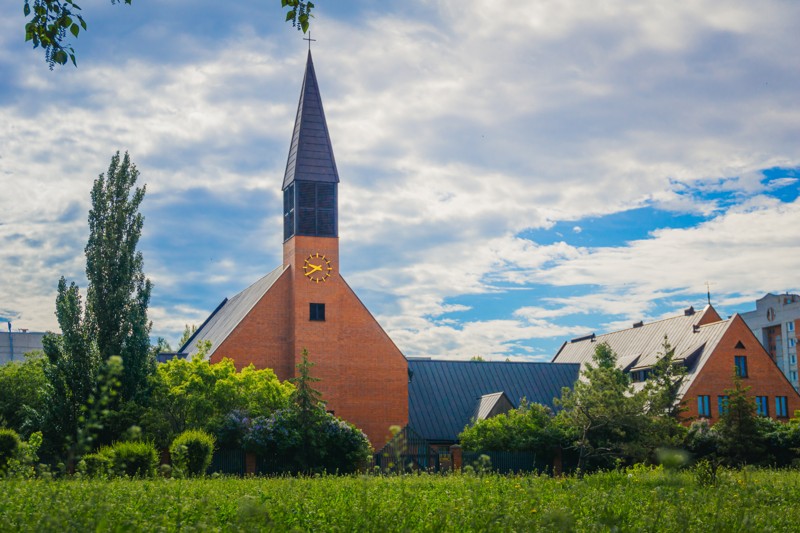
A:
<point x="314" y="268"/>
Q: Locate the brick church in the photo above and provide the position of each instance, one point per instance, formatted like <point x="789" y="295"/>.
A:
<point x="306" y="304"/>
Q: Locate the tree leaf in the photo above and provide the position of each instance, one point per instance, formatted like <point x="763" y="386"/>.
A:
<point x="290" y="15"/>
<point x="60" y="57"/>
<point x="74" y="29"/>
<point x="26" y="10"/>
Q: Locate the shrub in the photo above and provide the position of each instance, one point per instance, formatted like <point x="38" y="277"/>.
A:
<point x="333" y="445"/>
<point x="191" y="452"/>
<point x="134" y="459"/>
<point x="99" y="463"/>
<point x="345" y="446"/>
<point x="9" y="446"/>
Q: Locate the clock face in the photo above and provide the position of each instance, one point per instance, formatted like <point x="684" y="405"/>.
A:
<point x="317" y="267"/>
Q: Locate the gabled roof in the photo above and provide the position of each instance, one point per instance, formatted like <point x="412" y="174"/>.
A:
<point x="639" y="347"/>
<point x="310" y="153"/>
<point x="694" y="336"/>
<point x="442" y="395"/>
<point x="228" y="314"/>
<point x="493" y="404"/>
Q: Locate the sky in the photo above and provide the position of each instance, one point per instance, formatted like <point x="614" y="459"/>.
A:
<point x="511" y="177"/>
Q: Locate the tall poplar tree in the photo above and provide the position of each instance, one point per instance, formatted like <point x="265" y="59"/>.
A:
<point x="119" y="293"/>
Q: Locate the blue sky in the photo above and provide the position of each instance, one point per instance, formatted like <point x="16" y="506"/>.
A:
<point x="510" y="178"/>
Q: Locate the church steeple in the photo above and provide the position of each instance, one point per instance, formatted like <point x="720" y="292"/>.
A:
<point x="311" y="178"/>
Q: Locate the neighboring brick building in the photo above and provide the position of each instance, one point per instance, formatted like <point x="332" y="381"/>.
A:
<point x="775" y="323"/>
<point x="710" y="348"/>
<point x="306" y="304"/>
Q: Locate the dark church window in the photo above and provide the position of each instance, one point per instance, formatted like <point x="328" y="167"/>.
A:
<point x="317" y="312"/>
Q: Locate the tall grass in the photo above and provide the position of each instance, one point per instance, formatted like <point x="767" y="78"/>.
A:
<point x="633" y="500"/>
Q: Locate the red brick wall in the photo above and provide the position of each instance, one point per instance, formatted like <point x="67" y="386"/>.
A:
<point x="764" y="377"/>
<point x="710" y="316"/>
<point x="364" y="376"/>
<point x="263" y="337"/>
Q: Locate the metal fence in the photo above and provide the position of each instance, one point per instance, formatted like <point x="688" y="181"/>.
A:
<point x="406" y="452"/>
<point x="505" y="462"/>
<point x="231" y="462"/>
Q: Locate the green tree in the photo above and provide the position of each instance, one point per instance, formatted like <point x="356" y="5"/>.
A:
<point x="740" y="439"/>
<point x="663" y="386"/>
<point x="23" y="393"/>
<point x="305" y="396"/>
<point x="188" y="331"/>
<point x="310" y="410"/>
<point x="304" y="437"/>
<point x="662" y="401"/>
<point x="74" y="363"/>
<point x="603" y="414"/>
<point x="530" y="427"/>
<point x="118" y="293"/>
<point x="195" y="394"/>
<point x="114" y="319"/>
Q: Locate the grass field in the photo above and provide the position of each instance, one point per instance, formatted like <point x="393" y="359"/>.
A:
<point x="634" y="500"/>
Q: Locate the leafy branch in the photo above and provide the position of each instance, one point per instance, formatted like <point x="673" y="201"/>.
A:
<point x="49" y="24"/>
<point x="299" y="13"/>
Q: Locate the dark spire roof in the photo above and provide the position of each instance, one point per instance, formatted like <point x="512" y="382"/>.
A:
<point x="310" y="154"/>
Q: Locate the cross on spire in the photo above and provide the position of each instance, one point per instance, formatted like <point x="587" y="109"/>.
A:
<point x="708" y="291"/>
<point x="309" y="39"/>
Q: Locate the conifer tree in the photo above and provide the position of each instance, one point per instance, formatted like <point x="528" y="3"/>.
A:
<point x="308" y="402"/>
<point x="305" y="396"/>
<point x="740" y="439"/>
<point x="663" y="386"/>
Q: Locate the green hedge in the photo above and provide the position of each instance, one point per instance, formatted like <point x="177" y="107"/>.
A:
<point x="191" y="452"/>
<point x="9" y="446"/>
<point x="133" y="458"/>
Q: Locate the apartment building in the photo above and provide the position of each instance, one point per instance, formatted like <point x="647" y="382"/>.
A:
<point x="775" y="323"/>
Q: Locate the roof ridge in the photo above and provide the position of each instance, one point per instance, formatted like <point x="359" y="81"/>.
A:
<point x="644" y="325"/>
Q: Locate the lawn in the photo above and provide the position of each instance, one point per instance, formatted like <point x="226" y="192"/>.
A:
<point x="633" y="500"/>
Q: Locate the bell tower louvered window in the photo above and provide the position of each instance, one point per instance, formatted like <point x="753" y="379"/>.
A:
<point x="288" y="211"/>
<point x="310" y="209"/>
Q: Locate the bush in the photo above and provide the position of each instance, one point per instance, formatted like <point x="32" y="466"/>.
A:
<point x="191" y="452"/>
<point x="9" y="446"/>
<point x="346" y="447"/>
<point x="97" y="464"/>
<point x="134" y="459"/>
<point x="333" y="444"/>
